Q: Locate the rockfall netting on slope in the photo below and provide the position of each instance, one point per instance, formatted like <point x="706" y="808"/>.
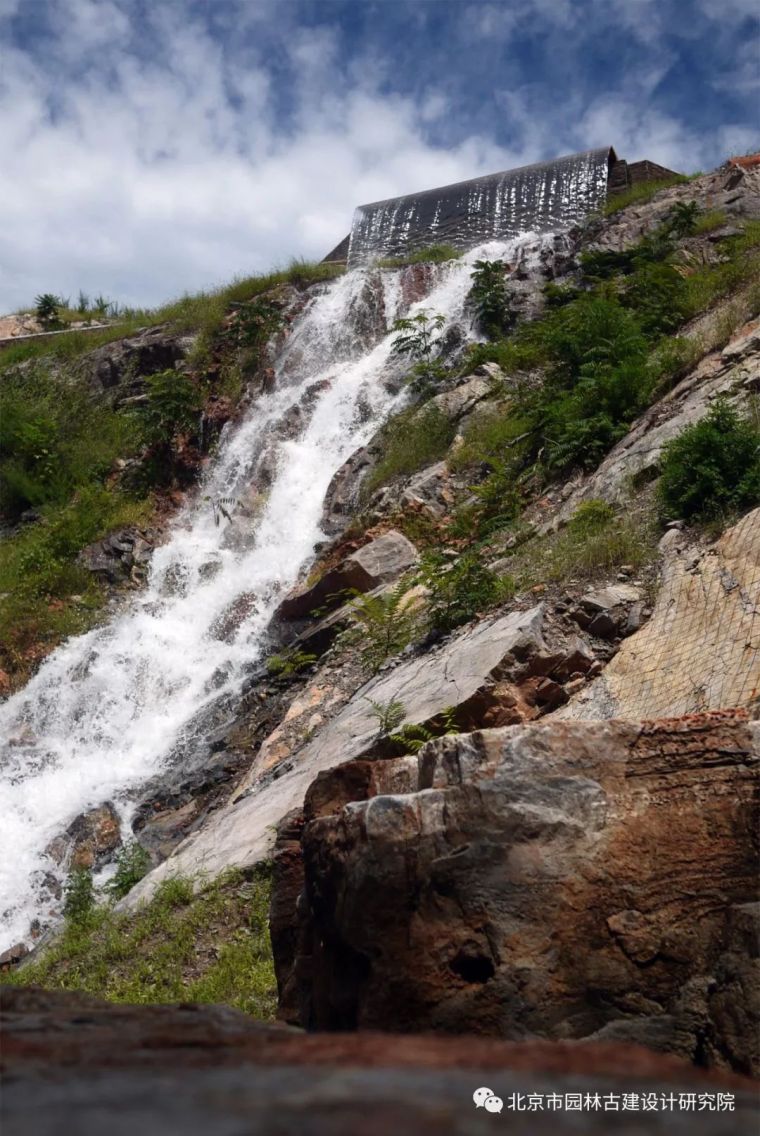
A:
<point x="701" y="648"/>
<point x="544" y="197"/>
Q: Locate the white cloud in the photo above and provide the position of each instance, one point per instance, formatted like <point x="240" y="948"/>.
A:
<point x="154" y="182"/>
<point x="146" y="159"/>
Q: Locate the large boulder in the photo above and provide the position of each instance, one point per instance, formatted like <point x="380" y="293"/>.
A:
<point x="556" y="879"/>
<point x="378" y="562"/>
<point x="119" y="366"/>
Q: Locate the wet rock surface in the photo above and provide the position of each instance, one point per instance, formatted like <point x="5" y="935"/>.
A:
<point x="121" y="557"/>
<point x="492" y="673"/>
<point x="73" y="1064"/>
<point x="89" y="840"/>
<point x="557" y="879"/>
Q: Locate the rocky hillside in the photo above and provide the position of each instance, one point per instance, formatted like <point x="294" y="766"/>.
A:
<point x="502" y="756"/>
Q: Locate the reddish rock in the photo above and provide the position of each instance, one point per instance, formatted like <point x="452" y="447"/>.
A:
<point x="554" y="879"/>
<point x="72" y="1064"/>
<point x="89" y="839"/>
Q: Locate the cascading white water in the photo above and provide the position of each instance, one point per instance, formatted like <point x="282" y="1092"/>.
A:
<point x="108" y="709"/>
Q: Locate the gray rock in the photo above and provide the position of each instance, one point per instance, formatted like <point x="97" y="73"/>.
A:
<point x="462" y="672"/>
<point x="382" y="560"/>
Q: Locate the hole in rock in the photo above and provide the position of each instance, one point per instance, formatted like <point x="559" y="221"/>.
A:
<point x="473" y="967"/>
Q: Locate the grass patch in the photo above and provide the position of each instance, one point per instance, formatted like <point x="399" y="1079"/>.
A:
<point x="710" y="221"/>
<point x="594" y="542"/>
<point x="45" y="595"/>
<point x="433" y="254"/>
<point x="411" y="440"/>
<point x="201" y="313"/>
<point x="639" y="193"/>
<point x="180" y="947"/>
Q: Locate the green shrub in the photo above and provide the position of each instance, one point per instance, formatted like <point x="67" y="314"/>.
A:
<point x="460" y="587"/>
<point x="660" y="298"/>
<point x="490" y="297"/>
<point x="712" y="467"/>
<point x="79" y="896"/>
<point x="681" y="220"/>
<point x="132" y="863"/>
<point x="172" y="406"/>
<point x="411" y="440"/>
<point x="55" y="438"/>
<point x="591" y="517"/>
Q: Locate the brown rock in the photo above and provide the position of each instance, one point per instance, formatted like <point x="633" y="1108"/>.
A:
<point x="76" y="1065"/>
<point x="552" y="879"/>
<point x="89" y="839"/>
<point x="13" y="956"/>
<point x="382" y="560"/>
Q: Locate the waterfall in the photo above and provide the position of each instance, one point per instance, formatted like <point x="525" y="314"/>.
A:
<point x="110" y="709"/>
<point x="541" y="198"/>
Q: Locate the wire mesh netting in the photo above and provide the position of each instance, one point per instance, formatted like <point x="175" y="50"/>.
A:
<point x="701" y="648"/>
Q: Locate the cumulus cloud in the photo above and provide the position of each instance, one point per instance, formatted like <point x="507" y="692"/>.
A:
<point x="149" y="151"/>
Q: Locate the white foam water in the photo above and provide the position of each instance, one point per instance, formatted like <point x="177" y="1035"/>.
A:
<point x="108" y="710"/>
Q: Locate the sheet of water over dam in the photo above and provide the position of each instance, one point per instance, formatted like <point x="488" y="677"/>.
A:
<point x="545" y="197"/>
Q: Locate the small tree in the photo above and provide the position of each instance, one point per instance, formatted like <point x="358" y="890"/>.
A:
<point x="418" y="336"/>
<point x="79" y="896"/>
<point x="132" y="863"/>
<point x="172" y="406"/>
<point x="712" y="466"/>
<point x="46" y="309"/>
<point x="490" y="297"/>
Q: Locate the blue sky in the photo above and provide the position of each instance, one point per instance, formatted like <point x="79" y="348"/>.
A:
<point x="151" y="148"/>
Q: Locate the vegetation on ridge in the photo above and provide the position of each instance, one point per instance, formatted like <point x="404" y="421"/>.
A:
<point x="63" y="448"/>
<point x="212" y="946"/>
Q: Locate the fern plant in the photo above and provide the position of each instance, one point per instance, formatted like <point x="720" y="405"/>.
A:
<point x="385" y="623"/>
<point x="413" y="735"/>
<point x="290" y="662"/>
<point x="389" y="715"/>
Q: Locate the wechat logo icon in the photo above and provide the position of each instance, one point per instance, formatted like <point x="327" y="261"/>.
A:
<point x="484" y="1098"/>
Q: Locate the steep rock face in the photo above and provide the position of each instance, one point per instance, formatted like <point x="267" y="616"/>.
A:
<point x="554" y="879"/>
<point x="700" y="649"/>
<point x="500" y="670"/>
<point x="76" y="1065"/>
<point x="117" y="367"/>
<point x="732" y="191"/>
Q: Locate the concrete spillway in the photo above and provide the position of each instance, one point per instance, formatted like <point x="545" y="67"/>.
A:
<point x="543" y="197"/>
